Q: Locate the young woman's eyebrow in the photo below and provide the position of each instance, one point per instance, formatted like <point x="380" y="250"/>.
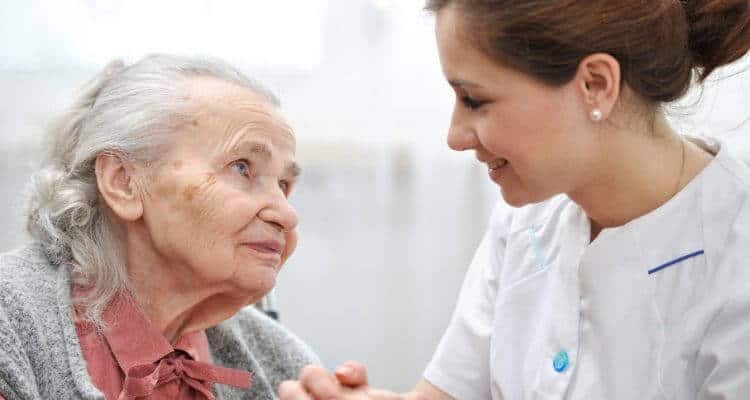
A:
<point x="462" y="83"/>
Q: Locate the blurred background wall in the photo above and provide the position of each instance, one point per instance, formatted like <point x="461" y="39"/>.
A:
<point x="389" y="215"/>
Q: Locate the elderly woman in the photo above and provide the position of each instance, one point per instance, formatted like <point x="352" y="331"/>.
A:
<point x="161" y="213"/>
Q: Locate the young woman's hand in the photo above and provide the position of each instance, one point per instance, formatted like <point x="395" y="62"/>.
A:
<point x="349" y="382"/>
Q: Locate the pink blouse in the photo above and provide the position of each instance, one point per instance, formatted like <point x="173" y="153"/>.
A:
<point x="131" y="359"/>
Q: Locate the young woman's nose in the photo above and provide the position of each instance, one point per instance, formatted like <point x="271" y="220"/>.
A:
<point x="460" y="136"/>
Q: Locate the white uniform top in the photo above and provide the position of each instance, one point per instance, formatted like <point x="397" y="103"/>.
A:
<point x="656" y="309"/>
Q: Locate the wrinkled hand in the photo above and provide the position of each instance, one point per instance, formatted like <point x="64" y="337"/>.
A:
<point x="349" y="382"/>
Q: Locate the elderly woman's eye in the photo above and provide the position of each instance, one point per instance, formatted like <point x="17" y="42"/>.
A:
<point x="284" y="185"/>
<point x="242" y="167"/>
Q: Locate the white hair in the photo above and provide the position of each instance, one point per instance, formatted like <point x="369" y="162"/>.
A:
<point x="126" y="110"/>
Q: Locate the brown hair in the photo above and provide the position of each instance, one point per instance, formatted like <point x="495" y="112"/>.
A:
<point x="658" y="43"/>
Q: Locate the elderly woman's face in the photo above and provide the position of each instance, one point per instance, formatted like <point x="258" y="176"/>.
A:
<point x="217" y="211"/>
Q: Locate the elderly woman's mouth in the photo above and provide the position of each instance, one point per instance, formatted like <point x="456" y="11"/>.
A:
<point x="266" y="248"/>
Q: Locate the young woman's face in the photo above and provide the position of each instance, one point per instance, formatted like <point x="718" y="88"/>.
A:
<point x="534" y="138"/>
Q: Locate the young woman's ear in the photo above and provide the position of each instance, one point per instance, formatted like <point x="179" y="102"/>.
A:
<point x="117" y="185"/>
<point x="598" y="81"/>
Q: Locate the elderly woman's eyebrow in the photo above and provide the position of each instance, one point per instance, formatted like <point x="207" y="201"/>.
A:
<point x="258" y="148"/>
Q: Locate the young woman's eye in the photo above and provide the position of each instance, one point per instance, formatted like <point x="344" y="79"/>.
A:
<point x="242" y="167"/>
<point x="471" y="103"/>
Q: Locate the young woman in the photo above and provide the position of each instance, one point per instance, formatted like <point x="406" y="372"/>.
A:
<point x="620" y="272"/>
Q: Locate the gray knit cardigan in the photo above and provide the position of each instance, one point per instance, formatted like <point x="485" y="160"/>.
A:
<point x="40" y="357"/>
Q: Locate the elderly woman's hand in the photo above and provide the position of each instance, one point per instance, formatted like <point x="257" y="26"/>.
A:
<point x="348" y="383"/>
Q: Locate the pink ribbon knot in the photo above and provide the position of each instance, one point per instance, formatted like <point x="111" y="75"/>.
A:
<point x="141" y="380"/>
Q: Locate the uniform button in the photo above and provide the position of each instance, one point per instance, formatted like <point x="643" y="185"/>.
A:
<point x="561" y="361"/>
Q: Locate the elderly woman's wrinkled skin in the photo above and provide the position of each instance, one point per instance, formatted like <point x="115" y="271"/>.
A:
<point x="208" y="232"/>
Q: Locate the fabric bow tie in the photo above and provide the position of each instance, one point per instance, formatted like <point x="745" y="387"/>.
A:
<point x="141" y="380"/>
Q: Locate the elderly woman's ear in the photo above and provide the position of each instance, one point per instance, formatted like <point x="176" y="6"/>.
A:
<point x="118" y="185"/>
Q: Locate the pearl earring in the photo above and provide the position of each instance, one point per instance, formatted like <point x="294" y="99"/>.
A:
<point x="596" y="115"/>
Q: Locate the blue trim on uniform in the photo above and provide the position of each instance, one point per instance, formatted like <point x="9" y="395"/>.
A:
<point x="536" y="248"/>
<point x="673" y="262"/>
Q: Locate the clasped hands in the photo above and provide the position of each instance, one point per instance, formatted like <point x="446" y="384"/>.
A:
<point x="348" y="382"/>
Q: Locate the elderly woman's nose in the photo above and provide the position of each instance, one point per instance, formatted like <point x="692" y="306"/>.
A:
<point x="280" y="213"/>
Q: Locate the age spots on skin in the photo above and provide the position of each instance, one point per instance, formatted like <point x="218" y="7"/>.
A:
<point x="192" y="190"/>
<point x="177" y="164"/>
